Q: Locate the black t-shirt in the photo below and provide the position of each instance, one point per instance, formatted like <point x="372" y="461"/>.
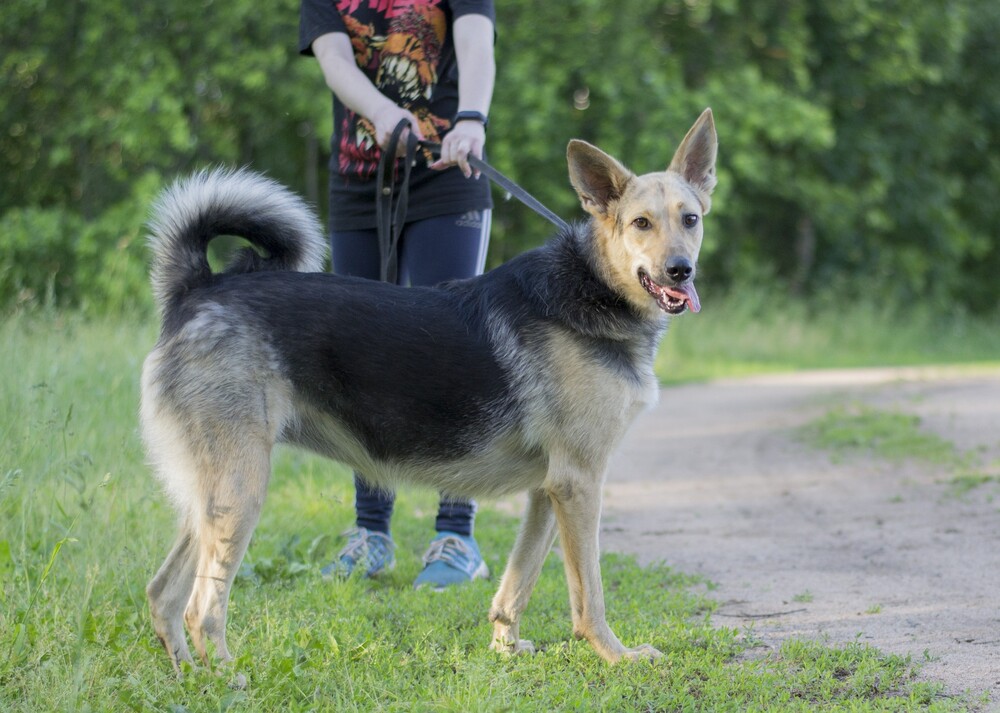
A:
<point x="406" y="48"/>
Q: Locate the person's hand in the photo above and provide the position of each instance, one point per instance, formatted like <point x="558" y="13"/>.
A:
<point x="465" y="139"/>
<point x="386" y="119"/>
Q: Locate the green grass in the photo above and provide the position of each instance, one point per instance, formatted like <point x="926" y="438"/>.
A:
<point x="892" y="435"/>
<point x="972" y="479"/>
<point x="750" y="331"/>
<point x="83" y="527"/>
<point x="861" y="431"/>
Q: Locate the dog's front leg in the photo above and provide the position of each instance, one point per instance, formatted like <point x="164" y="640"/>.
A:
<point x="576" y="500"/>
<point x="534" y="540"/>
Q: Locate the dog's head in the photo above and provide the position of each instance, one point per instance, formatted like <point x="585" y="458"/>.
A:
<point x="648" y="228"/>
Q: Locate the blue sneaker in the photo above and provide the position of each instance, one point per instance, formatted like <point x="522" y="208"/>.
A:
<point x="451" y="559"/>
<point x="375" y="551"/>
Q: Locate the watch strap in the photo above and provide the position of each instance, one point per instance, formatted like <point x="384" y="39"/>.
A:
<point x="471" y="116"/>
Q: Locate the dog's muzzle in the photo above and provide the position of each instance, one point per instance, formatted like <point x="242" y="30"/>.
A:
<point x="674" y="299"/>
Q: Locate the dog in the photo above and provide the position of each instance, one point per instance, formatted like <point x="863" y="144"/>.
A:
<point x="522" y="379"/>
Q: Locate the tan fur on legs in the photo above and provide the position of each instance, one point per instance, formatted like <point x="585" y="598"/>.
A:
<point x="228" y="520"/>
<point x="534" y="540"/>
<point x="576" y="499"/>
<point x="168" y="593"/>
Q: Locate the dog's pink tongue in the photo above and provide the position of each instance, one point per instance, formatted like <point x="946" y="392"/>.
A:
<point x="694" y="304"/>
<point x="686" y="292"/>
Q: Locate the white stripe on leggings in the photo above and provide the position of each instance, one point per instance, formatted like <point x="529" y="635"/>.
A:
<point x="484" y="241"/>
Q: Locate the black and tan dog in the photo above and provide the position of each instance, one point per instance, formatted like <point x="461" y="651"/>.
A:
<point x="524" y="378"/>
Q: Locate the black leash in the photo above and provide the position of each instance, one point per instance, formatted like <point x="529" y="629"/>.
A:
<point x="390" y="215"/>
<point x="508" y="185"/>
<point x="391" y="210"/>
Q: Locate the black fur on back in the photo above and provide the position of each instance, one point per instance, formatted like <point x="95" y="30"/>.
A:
<point x="414" y="371"/>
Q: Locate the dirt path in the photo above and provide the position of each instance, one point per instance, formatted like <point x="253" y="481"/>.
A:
<point x="716" y="481"/>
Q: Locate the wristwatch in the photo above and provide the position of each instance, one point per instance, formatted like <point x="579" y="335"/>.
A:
<point x="471" y="116"/>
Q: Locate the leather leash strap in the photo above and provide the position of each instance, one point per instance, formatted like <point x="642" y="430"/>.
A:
<point x="390" y="210"/>
<point x="508" y="185"/>
<point x="391" y="215"/>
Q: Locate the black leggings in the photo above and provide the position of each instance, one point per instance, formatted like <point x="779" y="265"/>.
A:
<point x="430" y="251"/>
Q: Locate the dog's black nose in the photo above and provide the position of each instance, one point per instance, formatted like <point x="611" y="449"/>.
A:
<point x="679" y="269"/>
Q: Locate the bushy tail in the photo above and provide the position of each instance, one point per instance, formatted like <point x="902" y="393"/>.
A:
<point x="229" y="202"/>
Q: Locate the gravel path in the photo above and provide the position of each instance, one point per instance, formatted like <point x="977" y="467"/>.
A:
<point x="802" y="543"/>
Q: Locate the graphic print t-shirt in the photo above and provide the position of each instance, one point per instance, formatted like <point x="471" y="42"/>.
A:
<point x="406" y="49"/>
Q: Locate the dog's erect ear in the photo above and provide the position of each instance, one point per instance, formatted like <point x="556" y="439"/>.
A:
<point x="695" y="157"/>
<point x="598" y="178"/>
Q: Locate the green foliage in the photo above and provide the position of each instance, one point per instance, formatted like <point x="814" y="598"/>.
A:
<point x="37" y="254"/>
<point x="99" y="93"/>
<point x="55" y="258"/>
<point x="860" y="139"/>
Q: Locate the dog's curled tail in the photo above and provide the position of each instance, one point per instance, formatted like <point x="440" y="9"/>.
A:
<point x="238" y="202"/>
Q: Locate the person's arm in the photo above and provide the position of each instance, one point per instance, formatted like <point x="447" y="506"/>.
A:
<point x="473" y="36"/>
<point x="355" y="91"/>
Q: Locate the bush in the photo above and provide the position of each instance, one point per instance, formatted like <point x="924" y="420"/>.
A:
<point x="53" y="257"/>
<point x="38" y="261"/>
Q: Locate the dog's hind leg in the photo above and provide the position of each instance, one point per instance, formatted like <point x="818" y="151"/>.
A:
<point x="576" y="500"/>
<point x="534" y="540"/>
<point x="168" y="593"/>
<point x="230" y="506"/>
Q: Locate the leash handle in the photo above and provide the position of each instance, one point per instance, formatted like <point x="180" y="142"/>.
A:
<point x="508" y="185"/>
<point x="390" y="210"/>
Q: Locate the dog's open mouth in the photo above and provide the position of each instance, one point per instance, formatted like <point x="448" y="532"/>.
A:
<point x="672" y="300"/>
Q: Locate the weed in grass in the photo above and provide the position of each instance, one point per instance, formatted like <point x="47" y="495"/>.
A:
<point x="750" y="638"/>
<point x="965" y="482"/>
<point x="888" y="434"/>
<point x="854" y="669"/>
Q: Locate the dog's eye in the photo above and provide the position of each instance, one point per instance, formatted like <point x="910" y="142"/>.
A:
<point x="641" y="223"/>
<point x="690" y="220"/>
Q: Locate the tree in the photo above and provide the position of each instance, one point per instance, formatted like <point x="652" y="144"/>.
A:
<point x="859" y="139"/>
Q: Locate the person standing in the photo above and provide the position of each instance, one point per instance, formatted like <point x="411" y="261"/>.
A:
<point x="429" y="63"/>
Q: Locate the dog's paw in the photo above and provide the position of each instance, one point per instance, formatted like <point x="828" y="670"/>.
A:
<point x="642" y="652"/>
<point x="522" y="647"/>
